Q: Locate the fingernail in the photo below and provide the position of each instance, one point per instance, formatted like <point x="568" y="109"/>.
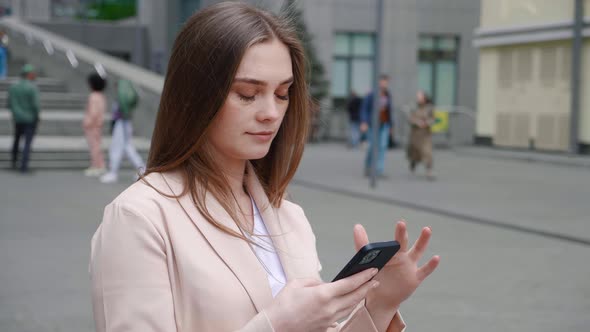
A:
<point x="374" y="272"/>
<point x="375" y="284"/>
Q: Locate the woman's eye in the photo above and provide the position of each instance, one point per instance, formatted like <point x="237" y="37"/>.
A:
<point x="246" y="98"/>
<point x="283" y="97"/>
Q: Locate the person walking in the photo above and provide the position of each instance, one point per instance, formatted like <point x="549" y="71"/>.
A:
<point x="420" y="142"/>
<point x="385" y="125"/>
<point x="354" y="119"/>
<point x="23" y="102"/>
<point x="93" y="124"/>
<point x="3" y="54"/>
<point x="122" y="140"/>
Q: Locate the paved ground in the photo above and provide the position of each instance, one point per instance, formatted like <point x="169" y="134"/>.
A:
<point x="514" y="238"/>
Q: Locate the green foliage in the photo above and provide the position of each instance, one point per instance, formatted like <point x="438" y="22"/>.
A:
<point x="110" y="10"/>
<point x="315" y="75"/>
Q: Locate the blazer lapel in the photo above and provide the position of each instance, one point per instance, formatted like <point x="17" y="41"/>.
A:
<point x="236" y="253"/>
<point x="295" y="262"/>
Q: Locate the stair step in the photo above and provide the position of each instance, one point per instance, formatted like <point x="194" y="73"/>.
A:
<point x="53" y="110"/>
<point x="53" y="100"/>
<point x="66" y="144"/>
<point x="63" y="164"/>
<point x="55" y="96"/>
<point x="45" y="84"/>
<point x="53" y="123"/>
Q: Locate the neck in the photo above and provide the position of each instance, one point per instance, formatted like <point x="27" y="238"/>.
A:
<point x="234" y="171"/>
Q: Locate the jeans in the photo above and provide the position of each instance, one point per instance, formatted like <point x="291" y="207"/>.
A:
<point x="28" y="130"/>
<point x="383" y="140"/>
<point x="355" y="134"/>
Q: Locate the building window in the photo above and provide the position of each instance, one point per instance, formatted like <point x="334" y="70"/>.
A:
<point x="437" y="67"/>
<point x="352" y="68"/>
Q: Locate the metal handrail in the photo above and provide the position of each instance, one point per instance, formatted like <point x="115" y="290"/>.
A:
<point x="76" y="53"/>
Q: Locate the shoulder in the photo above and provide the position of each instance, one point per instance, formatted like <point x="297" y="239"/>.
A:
<point x="145" y="200"/>
<point x="290" y="208"/>
<point x="14" y="86"/>
<point x="145" y="193"/>
<point x="293" y="216"/>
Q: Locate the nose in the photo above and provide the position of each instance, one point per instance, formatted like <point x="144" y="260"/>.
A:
<point x="270" y="110"/>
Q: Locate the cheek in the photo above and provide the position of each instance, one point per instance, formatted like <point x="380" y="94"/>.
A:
<point x="284" y="109"/>
<point x="229" y="118"/>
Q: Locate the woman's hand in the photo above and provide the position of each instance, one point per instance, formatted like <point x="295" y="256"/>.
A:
<point x="401" y="275"/>
<point x="311" y="305"/>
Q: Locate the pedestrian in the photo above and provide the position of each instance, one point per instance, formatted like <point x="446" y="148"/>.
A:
<point x="122" y="138"/>
<point x="420" y="143"/>
<point x="354" y="119"/>
<point x="385" y="125"/>
<point x="3" y="54"/>
<point x="23" y="102"/>
<point x="205" y="241"/>
<point x="93" y="123"/>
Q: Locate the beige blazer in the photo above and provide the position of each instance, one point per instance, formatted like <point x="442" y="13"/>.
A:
<point x="157" y="265"/>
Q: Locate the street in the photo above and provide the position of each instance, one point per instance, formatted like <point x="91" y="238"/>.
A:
<point x="513" y="236"/>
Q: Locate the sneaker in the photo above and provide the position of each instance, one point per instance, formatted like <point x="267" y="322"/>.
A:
<point x="109" y="178"/>
<point x="92" y="172"/>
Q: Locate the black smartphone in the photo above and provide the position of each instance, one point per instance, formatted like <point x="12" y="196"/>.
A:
<point x="373" y="255"/>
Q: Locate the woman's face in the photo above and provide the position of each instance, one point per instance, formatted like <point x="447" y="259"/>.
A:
<point x="420" y="97"/>
<point x="251" y="115"/>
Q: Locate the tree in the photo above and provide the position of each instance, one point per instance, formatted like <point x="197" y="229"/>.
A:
<point x="315" y="75"/>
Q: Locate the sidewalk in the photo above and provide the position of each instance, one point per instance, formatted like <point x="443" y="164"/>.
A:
<point x="556" y="158"/>
<point x="475" y="185"/>
<point x="512" y="237"/>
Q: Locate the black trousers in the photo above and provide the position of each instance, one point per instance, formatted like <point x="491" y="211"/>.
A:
<point x="28" y="131"/>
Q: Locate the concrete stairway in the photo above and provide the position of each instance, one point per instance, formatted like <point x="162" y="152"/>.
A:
<point x="59" y="142"/>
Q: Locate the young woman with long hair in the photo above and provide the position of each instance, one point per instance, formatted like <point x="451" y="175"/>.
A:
<point x="206" y="241"/>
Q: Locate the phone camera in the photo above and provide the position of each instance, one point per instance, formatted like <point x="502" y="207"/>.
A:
<point x="370" y="257"/>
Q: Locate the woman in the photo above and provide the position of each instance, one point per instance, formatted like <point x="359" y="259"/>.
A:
<point x="420" y="147"/>
<point x="93" y="123"/>
<point x="205" y="241"/>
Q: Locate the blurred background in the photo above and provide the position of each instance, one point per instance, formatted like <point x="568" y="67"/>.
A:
<point x="508" y="199"/>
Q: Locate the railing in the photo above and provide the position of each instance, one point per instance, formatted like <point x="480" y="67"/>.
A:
<point x="72" y="62"/>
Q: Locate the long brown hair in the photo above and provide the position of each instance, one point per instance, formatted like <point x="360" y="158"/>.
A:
<point x="206" y="55"/>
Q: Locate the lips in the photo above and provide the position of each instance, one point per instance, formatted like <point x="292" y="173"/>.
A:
<point x="261" y="133"/>
<point x="262" y="136"/>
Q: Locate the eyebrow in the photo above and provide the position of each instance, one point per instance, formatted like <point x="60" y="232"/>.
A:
<point x="258" y="82"/>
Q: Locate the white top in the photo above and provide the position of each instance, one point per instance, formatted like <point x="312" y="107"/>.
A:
<point x="266" y="253"/>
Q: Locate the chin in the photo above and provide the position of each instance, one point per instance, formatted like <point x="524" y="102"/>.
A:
<point x="259" y="153"/>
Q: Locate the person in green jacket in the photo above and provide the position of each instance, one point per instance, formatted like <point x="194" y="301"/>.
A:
<point x="121" y="143"/>
<point x="23" y="102"/>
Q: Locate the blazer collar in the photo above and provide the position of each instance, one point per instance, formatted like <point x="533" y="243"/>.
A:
<point x="236" y="253"/>
<point x="278" y="233"/>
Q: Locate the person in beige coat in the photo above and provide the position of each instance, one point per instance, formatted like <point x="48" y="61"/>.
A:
<point x="420" y="143"/>
<point x="205" y="240"/>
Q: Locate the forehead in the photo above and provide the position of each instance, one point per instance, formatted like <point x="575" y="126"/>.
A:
<point x="268" y="61"/>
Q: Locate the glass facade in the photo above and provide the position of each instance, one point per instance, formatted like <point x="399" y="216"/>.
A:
<point x="437" y="67"/>
<point x="352" y="68"/>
